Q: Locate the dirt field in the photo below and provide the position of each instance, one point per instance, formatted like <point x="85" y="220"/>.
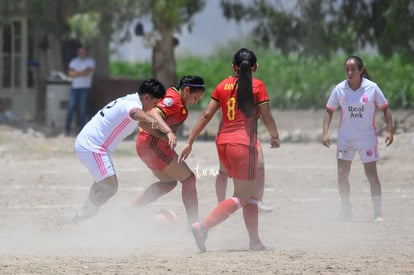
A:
<point x="42" y="184"/>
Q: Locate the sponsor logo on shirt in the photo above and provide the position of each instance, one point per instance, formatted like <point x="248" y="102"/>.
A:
<point x="356" y="112"/>
<point x="167" y="101"/>
<point x="365" y="99"/>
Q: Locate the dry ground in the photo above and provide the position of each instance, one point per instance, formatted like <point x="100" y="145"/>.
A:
<point x="42" y="184"/>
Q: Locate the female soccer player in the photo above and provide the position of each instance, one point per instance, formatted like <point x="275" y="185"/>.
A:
<point x="102" y="134"/>
<point x="242" y="99"/>
<point x="358" y="97"/>
<point x="160" y="156"/>
<point x="222" y="179"/>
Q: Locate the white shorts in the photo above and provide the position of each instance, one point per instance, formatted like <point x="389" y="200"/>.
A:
<point x="368" y="154"/>
<point x="99" y="164"/>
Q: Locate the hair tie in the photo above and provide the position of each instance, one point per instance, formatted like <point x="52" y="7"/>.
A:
<point x="194" y="85"/>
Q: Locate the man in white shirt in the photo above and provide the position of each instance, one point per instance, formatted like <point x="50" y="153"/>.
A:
<point x="81" y="70"/>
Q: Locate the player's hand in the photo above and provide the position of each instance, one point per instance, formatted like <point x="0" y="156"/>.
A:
<point x="185" y="152"/>
<point x="172" y="139"/>
<point x="274" y="142"/>
<point x="389" y="139"/>
<point x="152" y="123"/>
<point x="325" y="141"/>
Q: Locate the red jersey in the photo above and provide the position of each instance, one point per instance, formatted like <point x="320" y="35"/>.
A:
<point x="173" y="111"/>
<point x="235" y="126"/>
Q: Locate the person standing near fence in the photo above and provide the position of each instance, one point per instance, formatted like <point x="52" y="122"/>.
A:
<point x="81" y="70"/>
<point x="357" y="97"/>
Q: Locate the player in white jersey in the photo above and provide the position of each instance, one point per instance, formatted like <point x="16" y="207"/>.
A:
<point x="102" y="134"/>
<point x="357" y="97"/>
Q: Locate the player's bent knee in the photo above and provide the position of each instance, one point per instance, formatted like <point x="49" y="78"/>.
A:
<point x="170" y="184"/>
<point x="189" y="180"/>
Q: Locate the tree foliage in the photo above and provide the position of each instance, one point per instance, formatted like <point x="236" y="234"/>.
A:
<point x="61" y="19"/>
<point x="167" y="17"/>
<point x="325" y="27"/>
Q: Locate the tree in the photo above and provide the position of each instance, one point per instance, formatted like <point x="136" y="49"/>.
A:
<point x="324" y="27"/>
<point x="167" y="17"/>
<point x="117" y="16"/>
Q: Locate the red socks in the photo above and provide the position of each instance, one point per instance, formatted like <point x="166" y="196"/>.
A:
<point x="189" y="197"/>
<point x="221" y="186"/>
<point x="222" y="211"/>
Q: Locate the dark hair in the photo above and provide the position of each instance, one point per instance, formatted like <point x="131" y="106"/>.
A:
<point x="82" y="46"/>
<point x="360" y="64"/>
<point x="152" y="87"/>
<point x="194" y="82"/>
<point x="244" y="60"/>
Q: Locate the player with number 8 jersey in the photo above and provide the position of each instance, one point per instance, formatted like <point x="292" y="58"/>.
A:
<point x="238" y="129"/>
<point x="242" y="99"/>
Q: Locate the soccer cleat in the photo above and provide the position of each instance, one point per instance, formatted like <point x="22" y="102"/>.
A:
<point x="346" y="214"/>
<point x="378" y="219"/>
<point x="87" y="211"/>
<point x="256" y="246"/>
<point x="264" y="208"/>
<point x="200" y="235"/>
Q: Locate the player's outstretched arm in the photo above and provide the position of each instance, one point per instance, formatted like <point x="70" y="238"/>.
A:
<point x="141" y="116"/>
<point x="201" y="123"/>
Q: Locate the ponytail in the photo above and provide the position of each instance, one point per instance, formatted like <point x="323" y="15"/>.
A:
<point x="244" y="60"/>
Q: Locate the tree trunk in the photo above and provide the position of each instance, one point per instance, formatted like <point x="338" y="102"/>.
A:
<point x="163" y="58"/>
<point x="100" y="52"/>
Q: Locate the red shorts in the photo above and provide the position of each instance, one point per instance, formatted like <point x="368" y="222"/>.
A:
<point x="154" y="156"/>
<point x="239" y="160"/>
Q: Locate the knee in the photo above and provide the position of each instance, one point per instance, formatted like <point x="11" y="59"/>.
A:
<point x="222" y="172"/>
<point x="189" y="180"/>
<point x="171" y="184"/>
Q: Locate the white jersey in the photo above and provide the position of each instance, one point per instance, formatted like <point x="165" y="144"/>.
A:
<point x="79" y="64"/>
<point x="357" y="122"/>
<point x="110" y="125"/>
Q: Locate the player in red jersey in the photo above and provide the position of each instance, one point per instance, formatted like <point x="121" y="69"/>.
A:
<point x="242" y="99"/>
<point x="222" y="179"/>
<point x="160" y="156"/>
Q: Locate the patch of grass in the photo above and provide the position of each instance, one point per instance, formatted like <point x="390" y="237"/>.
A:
<point x="292" y="82"/>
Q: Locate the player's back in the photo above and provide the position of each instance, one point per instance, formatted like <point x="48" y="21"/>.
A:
<point x="110" y="125"/>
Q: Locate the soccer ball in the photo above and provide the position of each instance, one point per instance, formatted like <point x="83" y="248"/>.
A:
<point x="165" y="217"/>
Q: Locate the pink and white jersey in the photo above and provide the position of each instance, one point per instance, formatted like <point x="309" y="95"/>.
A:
<point x="110" y="125"/>
<point x="357" y="122"/>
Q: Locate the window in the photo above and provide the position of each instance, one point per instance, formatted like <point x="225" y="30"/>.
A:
<point x="17" y="49"/>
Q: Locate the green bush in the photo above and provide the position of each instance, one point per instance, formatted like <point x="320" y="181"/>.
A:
<point x="139" y="70"/>
<point x="292" y="82"/>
